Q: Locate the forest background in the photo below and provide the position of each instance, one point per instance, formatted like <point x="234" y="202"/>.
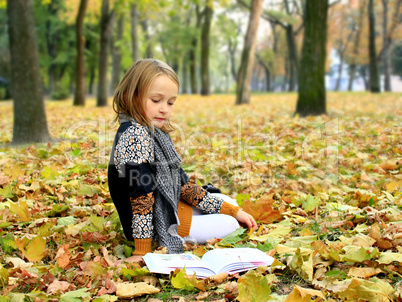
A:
<point x="325" y="189"/>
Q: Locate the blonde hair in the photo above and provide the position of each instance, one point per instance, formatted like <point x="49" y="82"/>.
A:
<point x="130" y="95"/>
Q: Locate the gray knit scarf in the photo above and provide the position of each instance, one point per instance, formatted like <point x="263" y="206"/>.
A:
<point x="168" y="186"/>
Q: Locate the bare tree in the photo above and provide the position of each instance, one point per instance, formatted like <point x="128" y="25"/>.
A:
<point x="30" y="123"/>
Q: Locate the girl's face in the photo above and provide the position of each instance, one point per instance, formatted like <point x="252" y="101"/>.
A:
<point x="160" y="100"/>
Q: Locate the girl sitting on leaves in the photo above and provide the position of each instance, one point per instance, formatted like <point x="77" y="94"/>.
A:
<point x="153" y="195"/>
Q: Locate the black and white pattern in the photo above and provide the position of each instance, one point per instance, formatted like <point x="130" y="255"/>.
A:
<point x="142" y="226"/>
<point x="134" y="146"/>
<point x="210" y="204"/>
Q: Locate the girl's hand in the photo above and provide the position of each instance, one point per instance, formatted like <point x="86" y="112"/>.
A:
<point x="246" y="219"/>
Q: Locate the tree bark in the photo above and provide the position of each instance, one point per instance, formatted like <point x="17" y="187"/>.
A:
<point x="356" y="48"/>
<point x="311" y="92"/>
<point x="374" y="75"/>
<point x="30" y="125"/>
<point x="79" y="95"/>
<point x="386" y="44"/>
<point x="106" y="23"/>
<point x="144" y="25"/>
<point x="51" y="40"/>
<point x="116" y="51"/>
<point x="247" y="58"/>
<point x="192" y="54"/>
<point x="134" y="32"/>
<point x="232" y="46"/>
<point x="205" y="31"/>
<point x="184" y="85"/>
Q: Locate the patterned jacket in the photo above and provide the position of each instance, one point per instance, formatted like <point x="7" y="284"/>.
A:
<point x="132" y="185"/>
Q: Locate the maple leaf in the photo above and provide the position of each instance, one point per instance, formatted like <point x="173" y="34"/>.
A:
<point x="75" y="296"/>
<point x="263" y="209"/>
<point x="181" y="280"/>
<point x="253" y="287"/>
<point x="63" y="256"/>
<point x="21" y="210"/>
<point x="300" y="294"/>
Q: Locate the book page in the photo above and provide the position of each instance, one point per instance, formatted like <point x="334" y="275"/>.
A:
<point x="236" y="259"/>
<point x="166" y="263"/>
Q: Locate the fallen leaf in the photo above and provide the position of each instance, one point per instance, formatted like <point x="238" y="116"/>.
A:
<point x="300" y="294"/>
<point x="126" y="290"/>
<point x="253" y="287"/>
<point x="263" y="209"/>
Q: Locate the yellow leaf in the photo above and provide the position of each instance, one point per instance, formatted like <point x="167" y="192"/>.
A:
<point x="253" y="287"/>
<point x="364" y="272"/>
<point x="36" y="249"/>
<point x="21" y="210"/>
<point x="300" y="294"/>
<point x="392" y="186"/>
<point x="373" y="290"/>
<point x="181" y="280"/>
<point x="131" y="290"/>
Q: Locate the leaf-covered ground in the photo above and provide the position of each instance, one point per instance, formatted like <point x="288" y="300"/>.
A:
<point x="325" y="190"/>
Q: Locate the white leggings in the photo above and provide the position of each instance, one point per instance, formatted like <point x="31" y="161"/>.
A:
<point x="208" y="226"/>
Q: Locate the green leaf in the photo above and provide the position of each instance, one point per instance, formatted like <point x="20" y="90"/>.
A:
<point x="134" y="273"/>
<point x="3" y="276"/>
<point x="7" y="192"/>
<point x="128" y="251"/>
<point x="336" y="274"/>
<point x="87" y="190"/>
<point x="56" y="209"/>
<point x="240" y="198"/>
<point x="232" y="238"/>
<point x="45" y="230"/>
<point x="253" y="287"/>
<point x="48" y="173"/>
<point x="66" y="220"/>
<point x="180" y="281"/>
<point x="310" y="203"/>
<point x="75" y="296"/>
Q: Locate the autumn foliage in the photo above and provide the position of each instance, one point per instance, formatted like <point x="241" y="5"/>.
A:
<point x="326" y="192"/>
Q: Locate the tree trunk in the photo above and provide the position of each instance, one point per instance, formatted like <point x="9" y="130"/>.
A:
<point x="386" y="43"/>
<point x="30" y="125"/>
<point x="184" y="85"/>
<point x="247" y="58"/>
<point x="363" y="71"/>
<point x="79" y="95"/>
<point x="106" y="23"/>
<point x="192" y="54"/>
<point x="232" y="58"/>
<point x="356" y="47"/>
<point x="205" y="30"/>
<point x="312" y="97"/>
<point x="51" y="40"/>
<point x="116" y="51"/>
<point x="144" y="25"/>
<point x="374" y="76"/>
<point x="134" y="32"/>
<point x="293" y="60"/>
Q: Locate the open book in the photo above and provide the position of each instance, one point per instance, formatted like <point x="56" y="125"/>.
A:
<point x="216" y="261"/>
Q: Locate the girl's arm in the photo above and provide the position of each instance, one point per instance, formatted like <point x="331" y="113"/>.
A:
<point x="202" y="199"/>
<point x="132" y="158"/>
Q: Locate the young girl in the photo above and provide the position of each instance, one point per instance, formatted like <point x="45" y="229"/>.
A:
<point x="151" y="192"/>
